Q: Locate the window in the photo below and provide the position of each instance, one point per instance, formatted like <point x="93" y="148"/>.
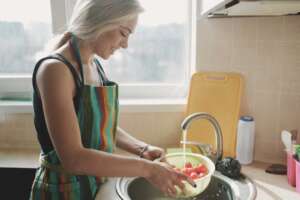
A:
<point x="158" y="60"/>
<point x="25" y="27"/>
<point x="157" y="49"/>
<point x="155" y="65"/>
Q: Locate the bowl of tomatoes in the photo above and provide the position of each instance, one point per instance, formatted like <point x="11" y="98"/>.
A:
<point x="200" y="168"/>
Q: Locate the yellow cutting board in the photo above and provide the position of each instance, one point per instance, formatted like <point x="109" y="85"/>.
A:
<point x="218" y="94"/>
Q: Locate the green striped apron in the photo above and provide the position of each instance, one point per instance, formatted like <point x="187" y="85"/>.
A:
<point x="97" y="116"/>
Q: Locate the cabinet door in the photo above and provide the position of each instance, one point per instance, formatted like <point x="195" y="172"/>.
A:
<point x="15" y="183"/>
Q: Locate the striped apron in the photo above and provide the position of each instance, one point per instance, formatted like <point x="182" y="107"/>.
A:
<point x="97" y="114"/>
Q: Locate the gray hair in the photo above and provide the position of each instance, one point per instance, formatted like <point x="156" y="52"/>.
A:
<point x="90" y="18"/>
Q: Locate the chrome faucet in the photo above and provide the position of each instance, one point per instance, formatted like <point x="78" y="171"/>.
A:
<point x="206" y="147"/>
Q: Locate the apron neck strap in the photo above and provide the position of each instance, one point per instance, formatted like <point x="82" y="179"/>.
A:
<point x="76" y="53"/>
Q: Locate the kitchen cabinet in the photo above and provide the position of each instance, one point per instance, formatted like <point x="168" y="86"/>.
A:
<point x="231" y="8"/>
<point x="15" y="183"/>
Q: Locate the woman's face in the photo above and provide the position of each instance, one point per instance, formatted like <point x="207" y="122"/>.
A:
<point x="110" y="41"/>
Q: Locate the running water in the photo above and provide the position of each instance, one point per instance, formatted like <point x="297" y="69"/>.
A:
<point x="184" y="146"/>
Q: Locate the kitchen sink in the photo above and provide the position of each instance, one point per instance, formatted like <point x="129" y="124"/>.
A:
<point x="220" y="188"/>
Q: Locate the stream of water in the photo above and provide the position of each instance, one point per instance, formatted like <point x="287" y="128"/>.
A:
<point x="184" y="146"/>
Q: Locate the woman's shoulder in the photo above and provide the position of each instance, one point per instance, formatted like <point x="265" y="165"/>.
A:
<point x="54" y="72"/>
<point x="52" y="67"/>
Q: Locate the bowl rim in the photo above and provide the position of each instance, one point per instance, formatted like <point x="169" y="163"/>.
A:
<point x="211" y="164"/>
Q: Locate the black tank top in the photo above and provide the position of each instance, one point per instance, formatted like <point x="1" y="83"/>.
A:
<point x="39" y="118"/>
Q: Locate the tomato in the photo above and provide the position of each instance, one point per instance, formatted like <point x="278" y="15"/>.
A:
<point x="201" y="169"/>
<point x="188" y="165"/>
<point x="201" y="175"/>
<point x="187" y="171"/>
<point x="194" y="175"/>
<point x="193" y="172"/>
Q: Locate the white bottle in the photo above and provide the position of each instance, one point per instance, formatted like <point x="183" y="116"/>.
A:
<point x="245" y="140"/>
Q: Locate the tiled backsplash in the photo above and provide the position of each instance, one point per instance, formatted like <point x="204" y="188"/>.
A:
<point x="266" y="50"/>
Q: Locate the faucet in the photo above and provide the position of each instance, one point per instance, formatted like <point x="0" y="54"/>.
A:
<point x="204" y="147"/>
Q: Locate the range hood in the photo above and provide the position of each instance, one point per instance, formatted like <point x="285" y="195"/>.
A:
<point x="223" y="8"/>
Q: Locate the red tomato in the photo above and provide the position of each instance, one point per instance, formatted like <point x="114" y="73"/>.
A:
<point x="193" y="172"/>
<point x="187" y="171"/>
<point x="188" y="165"/>
<point x="201" y="169"/>
<point x="194" y="175"/>
<point x="201" y="175"/>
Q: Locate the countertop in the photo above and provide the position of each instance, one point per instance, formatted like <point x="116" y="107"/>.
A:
<point x="269" y="186"/>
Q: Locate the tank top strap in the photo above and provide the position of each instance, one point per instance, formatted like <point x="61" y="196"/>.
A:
<point x="76" y="77"/>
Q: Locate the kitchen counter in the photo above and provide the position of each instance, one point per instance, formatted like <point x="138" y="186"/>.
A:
<point x="19" y="158"/>
<point x="269" y="186"/>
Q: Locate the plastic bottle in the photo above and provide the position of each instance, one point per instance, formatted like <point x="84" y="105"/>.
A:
<point x="245" y="140"/>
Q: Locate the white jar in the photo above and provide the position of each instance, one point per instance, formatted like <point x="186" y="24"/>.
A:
<point x="245" y="140"/>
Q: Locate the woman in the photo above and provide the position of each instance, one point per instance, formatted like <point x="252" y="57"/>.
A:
<point x="76" y="110"/>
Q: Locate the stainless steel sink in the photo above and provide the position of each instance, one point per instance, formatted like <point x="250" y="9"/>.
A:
<point x="220" y="188"/>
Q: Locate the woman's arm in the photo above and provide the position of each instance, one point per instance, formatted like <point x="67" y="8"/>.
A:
<point x="131" y="144"/>
<point x="57" y="88"/>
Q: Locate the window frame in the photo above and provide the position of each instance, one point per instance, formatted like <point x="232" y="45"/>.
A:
<point x="20" y="84"/>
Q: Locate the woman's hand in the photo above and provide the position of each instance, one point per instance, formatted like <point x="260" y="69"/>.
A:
<point x="165" y="178"/>
<point x="153" y="152"/>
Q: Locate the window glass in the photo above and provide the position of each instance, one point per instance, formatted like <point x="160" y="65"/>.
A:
<point x="157" y="50"/>
<point x="25" y="28"/>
